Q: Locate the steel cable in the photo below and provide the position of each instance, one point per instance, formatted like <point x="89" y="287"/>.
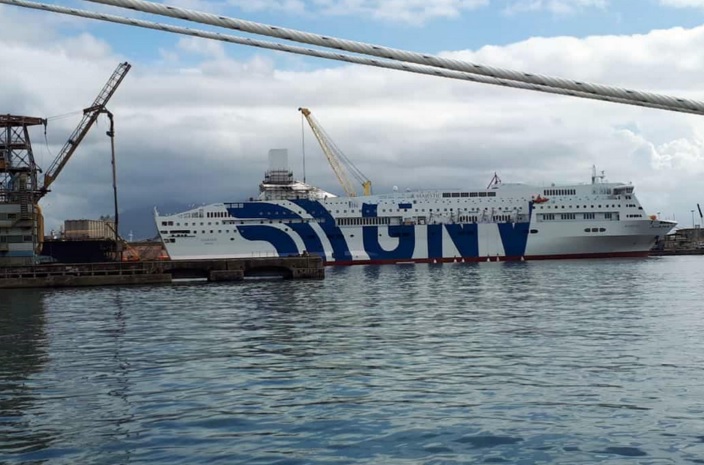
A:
<point x="403" y="55"/>
<point x="395" y="65"/>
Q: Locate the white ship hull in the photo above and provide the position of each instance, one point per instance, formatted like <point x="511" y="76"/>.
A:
<point x="503" y="222"/>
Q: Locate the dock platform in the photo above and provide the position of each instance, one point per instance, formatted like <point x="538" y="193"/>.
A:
<point x="159" y="272"/>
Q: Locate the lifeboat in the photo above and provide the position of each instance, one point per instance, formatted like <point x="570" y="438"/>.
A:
<point x="540" y="199"/>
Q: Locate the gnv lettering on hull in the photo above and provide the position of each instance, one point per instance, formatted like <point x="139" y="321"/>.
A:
<point x="267" y="233"/>
<point x="464" y="237"/>
<point x="404" y="250"/>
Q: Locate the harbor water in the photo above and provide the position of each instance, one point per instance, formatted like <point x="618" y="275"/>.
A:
<point x="585" y="361"/>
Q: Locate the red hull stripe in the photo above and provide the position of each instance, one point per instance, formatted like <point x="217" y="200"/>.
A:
<point x="490" y="259"/>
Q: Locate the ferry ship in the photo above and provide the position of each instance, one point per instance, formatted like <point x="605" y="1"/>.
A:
<point x="500" y="222"/>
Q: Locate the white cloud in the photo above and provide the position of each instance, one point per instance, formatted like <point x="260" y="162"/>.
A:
<point x="201" y="133"/>
<point x="403" y="11"/>
<point x="208" y="48"/>
<point x="683" y="3"/>
<point x="409" y="11"/>
<point x="680" y="154"/>
<point x="554" y="6"/>
<point x="669" y="60"/>
<point x="291" y="6"/>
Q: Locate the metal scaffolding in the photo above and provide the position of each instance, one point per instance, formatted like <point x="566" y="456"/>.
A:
<point x="18" y="171"/>
<point x="20" y="223"/>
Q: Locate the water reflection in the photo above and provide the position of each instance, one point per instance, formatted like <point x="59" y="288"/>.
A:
<point x="120" y="413"/>
<point x="23" y="353"/>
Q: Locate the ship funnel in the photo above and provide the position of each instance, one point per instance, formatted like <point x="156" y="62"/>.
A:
<point x="278" y="160"/>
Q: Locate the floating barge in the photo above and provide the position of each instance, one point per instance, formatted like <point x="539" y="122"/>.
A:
<point x="159" y="272"/>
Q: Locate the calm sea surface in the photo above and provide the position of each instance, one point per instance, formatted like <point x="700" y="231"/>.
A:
<point x="541" y="362"/>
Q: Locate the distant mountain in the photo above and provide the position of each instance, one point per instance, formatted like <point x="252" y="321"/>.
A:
<point x="139" y="222"/>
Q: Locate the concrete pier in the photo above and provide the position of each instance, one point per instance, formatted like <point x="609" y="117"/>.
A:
<point x="158" y="272"/>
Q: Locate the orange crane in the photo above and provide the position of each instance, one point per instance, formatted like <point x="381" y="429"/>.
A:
<point x="336" y="158"/>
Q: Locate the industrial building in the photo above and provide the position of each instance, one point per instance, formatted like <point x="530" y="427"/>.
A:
<point x="103" y="228"/>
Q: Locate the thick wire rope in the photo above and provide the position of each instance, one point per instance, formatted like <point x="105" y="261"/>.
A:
<point x="402" y="55"/>
<point x="395" y="65"/>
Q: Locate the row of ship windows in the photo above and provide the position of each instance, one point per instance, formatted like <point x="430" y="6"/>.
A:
<point x="535" y="231"/>
<point x="592" y="206"/>
<point x="438" y="210"/>
<point x="400" y="210"/>
<point x="236" y="222"/>
<point x="379" y="221"/>
<point x="391" y="210"/>
<point x="218" y="215"/>
<point x="187" y="233"/>
<point x="430" y="210"/>
<point x="560" y="192"/>
<point x="448" y="195"/>
<point x="172" y="240"/>
<point x="415" y="201"/>
<point x="469" y="194"/>
<point x="573" y="216"/>
<point x="384" y="220"/>
<point x="171" y="223"/>
<point x="369" y="221"/>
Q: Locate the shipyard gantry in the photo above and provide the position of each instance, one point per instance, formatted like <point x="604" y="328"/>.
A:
<point x="20" y="216"/>
<point x="21" y="188"/>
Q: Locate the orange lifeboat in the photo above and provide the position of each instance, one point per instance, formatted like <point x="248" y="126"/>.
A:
<point x="540" y="199"/>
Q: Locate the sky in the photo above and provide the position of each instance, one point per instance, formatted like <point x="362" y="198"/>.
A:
<point x="195" y="118"/>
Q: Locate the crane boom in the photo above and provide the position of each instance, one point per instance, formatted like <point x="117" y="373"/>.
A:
<point x="336" y="158"/>
<point x="90" y="115"/>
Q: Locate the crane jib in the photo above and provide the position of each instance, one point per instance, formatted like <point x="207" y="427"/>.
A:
<point x="90" y="115"/>
<point x="339" y="162"/>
